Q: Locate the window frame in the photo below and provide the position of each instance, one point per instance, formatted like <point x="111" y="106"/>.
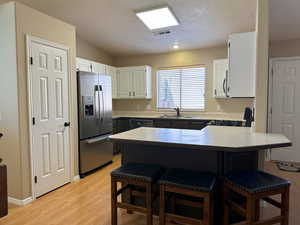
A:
<point x="174" y="68"/>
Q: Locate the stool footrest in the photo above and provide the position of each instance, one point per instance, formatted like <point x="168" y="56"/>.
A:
<point x="131" y="207"/>
<point x="272" y="202"/>
<point x="236" y="207"/>
<point x="124" y="188"/>
<point x="183" y="219"/>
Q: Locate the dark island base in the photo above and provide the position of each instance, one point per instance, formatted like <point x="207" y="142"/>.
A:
<point x="216" y="162"/>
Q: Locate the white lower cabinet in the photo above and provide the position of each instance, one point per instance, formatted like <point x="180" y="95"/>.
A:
<point x="134" y="82"/>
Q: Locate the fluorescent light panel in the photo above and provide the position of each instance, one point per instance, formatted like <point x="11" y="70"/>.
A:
<point x="158" y="18"/>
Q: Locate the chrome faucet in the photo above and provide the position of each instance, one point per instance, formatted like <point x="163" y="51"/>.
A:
<point x="177" y="109"/>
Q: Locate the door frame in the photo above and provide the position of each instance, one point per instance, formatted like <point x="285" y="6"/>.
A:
<point x="270" y="93"/>
<point x="29" y="40"/>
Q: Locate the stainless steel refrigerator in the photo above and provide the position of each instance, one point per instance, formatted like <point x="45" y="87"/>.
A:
<point x="95" y="121"/>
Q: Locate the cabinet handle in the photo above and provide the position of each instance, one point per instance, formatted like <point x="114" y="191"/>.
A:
<point x="134" y="93"/>
<point x="129" y="93"/>
<point x="227" y="88"/>
<point x="224" y="89"/>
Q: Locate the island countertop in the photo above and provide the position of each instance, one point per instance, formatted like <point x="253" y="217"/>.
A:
<point x="215" y="138"/>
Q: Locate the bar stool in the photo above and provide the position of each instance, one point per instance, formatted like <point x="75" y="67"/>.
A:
<point x="254" y="186"/>
<point x="133" y="176"/>
<point x="197" y="188"/>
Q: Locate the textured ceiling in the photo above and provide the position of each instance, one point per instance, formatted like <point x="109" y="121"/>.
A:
<point x="284" y="19"/>
<point x="113" y="26"/>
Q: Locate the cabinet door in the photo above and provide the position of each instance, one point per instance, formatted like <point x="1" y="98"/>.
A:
<point x="139" y="84"/>
<point x="98" y="68"/>
<point x="124" y="83"/>
<point x="242" y="65"/>
<point x="220" y="78"/>
<point x="112" y="71"/>
<point x="83" y="65"/>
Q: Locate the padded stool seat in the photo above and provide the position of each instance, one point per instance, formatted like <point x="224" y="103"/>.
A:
<point x="254" y="186"/>
<point x="133" y="176"/>
<point x="191" y="180"/>
<point x="256" y="181"/>
<point x="195" y="190"/>
<point x="139" y="172"/>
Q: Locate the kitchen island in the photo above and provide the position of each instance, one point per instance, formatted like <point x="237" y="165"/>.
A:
<point x="214" y="149"/>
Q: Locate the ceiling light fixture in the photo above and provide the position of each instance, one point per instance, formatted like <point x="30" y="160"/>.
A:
<point x="158" y="18"/>
<point x="175" y="46"/>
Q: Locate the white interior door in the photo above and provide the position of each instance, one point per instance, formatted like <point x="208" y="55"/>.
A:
<point x="285" y="105"/>
<point x="50" y="144"/>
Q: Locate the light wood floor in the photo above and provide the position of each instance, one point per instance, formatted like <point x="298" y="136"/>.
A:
<point x="87" y="202"/>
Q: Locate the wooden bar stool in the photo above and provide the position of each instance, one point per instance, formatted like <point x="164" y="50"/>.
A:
<point x="194" y="186"/>
<point x="254" y="186"/>
<point x="133" y="177"/>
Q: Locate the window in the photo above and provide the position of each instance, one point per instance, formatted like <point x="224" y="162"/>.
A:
<point x="184" y="88"/>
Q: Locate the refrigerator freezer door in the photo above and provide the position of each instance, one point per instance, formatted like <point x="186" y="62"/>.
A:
<point x="88" y="96"/>
<point x="105" y="104"/>
<point x="95" y="153"/>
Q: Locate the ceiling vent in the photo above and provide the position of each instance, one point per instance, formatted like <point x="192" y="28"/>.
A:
<point x="162" y="33"/>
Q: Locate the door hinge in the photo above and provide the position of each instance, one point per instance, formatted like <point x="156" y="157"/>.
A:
<point x="31" y="60"/>
<point x="35" y="179"/>
<point x="33" y="120"/>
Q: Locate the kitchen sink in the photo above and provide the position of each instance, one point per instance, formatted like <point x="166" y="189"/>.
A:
<point x="175" y="117"/>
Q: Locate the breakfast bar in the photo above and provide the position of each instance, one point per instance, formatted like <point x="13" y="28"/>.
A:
<point x="215" y="149"/>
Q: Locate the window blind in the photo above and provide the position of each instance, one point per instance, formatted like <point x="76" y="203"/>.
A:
<point x="184" y="88"/>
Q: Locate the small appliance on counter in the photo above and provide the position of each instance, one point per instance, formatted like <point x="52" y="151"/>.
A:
<point x="95" y="121"/>
<point x="248" y="116"/>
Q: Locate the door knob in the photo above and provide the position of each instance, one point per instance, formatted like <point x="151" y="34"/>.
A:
<point x="67" y="124"/>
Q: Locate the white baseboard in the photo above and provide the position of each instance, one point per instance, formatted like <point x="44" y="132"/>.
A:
<point x="76" y="178"/>
<point x="20" y="202"/>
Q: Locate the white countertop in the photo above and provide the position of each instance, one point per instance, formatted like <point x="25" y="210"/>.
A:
<point x="216" y="138"/>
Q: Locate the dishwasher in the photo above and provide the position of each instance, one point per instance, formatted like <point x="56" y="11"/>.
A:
<point x="136" y="123"/>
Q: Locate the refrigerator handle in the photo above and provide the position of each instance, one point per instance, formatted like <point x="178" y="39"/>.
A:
<point x="97" y="101"/>
<point x="103" y="104"/>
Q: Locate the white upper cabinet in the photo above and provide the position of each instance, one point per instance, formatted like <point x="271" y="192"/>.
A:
<point x="242" y="65"/>
<point x="83" y="65"/>
<point x="98" y="68"/>
<point x="235" y="77"/>
<point x="112" y="71"/>
<point x="220" y="67"/>
<point x="134" y="82"/>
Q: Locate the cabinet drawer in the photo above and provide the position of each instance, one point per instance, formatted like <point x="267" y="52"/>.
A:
<point x="180" y="124"/>
<point x="197" y="125"/>
<point x="163" y="123"/>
